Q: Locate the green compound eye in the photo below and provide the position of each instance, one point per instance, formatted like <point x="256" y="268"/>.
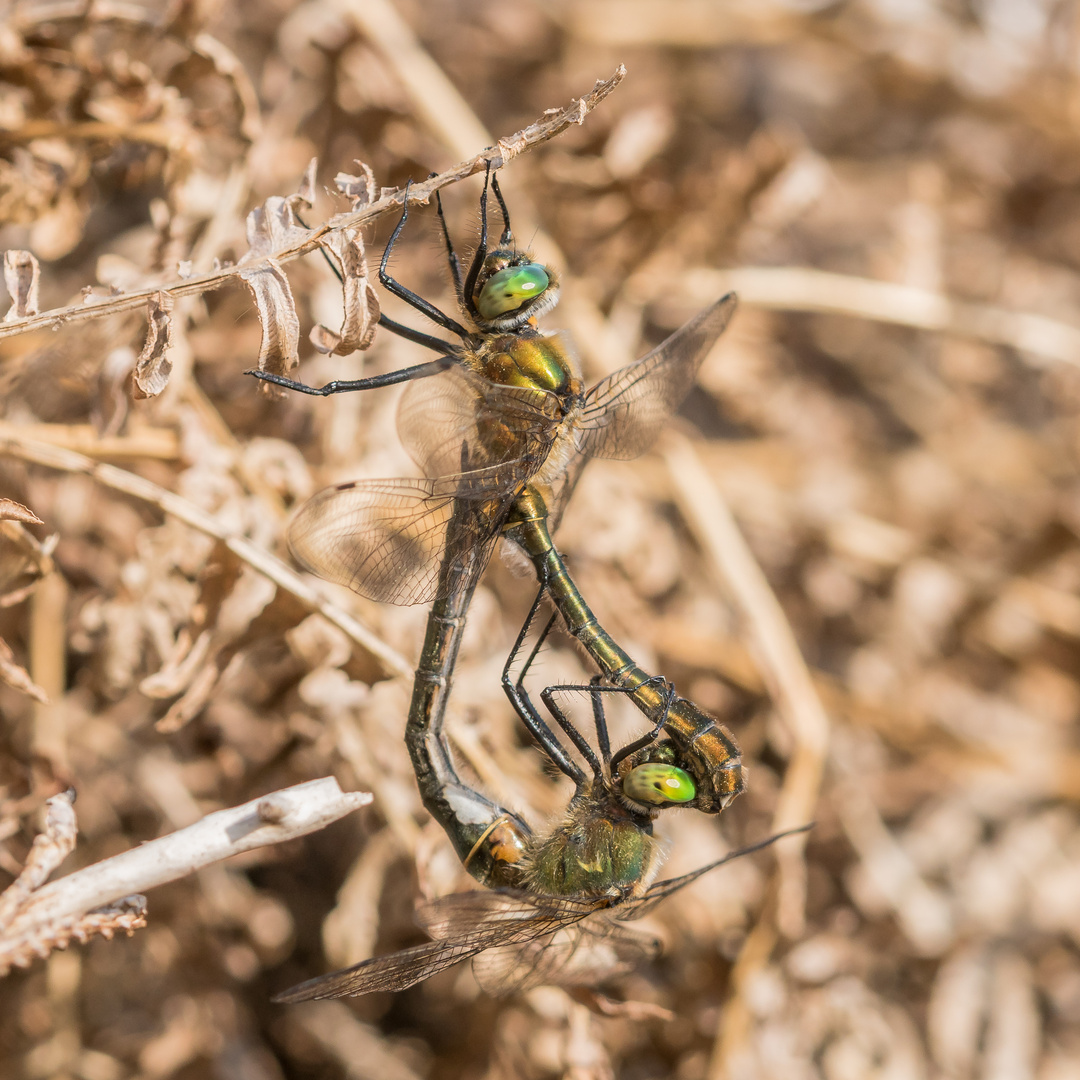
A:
<point x="654" y="784"/>
<point x="510" y="288"/>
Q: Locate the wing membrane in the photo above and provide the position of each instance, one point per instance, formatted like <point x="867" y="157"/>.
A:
<point x="582" y="955"/>
<point x="471" y="922"/>
<point x="625" y="412"/>
<point x="386" y="539"/>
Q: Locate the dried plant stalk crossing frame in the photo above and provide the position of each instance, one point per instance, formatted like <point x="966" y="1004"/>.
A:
<point x="105" y="897"/>
<point x="553" y="123"/>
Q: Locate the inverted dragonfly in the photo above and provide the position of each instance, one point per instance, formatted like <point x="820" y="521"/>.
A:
<point x="580" y="883"/>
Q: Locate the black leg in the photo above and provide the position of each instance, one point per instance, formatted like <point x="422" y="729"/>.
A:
<point x="399" y="290"/>
<point x="417" y="337"/>
<point x="451" y="254"/>
<point x="572" y="733"/>
<point x="507" y="236"/>
<point x="481" y="249"/>
<point x="594" y="690"/>
<point x="347" y="386"/>
<point x="524" y="707"/>
<point x="603" y="740"/>
<point x="651" y="736"/>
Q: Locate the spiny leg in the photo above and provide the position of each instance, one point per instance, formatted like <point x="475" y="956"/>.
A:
<point x="417" y="337"/>
<point x="651" y="736"/>
<point x="399" y="290"/>
<point x="572" y="733"/>
<point x="507" y="236"/>
<point x="595" y="690"/>
<point x="523" y="706"/>
<point x="481" y="250"/>
<point x="451" y="254"/>
<point x="347" y="386"/>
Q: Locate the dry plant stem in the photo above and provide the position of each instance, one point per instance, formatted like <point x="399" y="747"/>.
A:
<point x="784" y="668"/>
<point x="161" y="444"/>
<point x="187" y="512"/>
<point x="271" y="819"/>
<point x="504" y="151"/>
<point x="796" y="288"/>
<point x="48" y="668"/>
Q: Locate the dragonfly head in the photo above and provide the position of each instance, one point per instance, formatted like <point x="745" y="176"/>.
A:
<point x="657" y="785"/>
<point x="696" y="764"/>
<point x="510" y="289"/>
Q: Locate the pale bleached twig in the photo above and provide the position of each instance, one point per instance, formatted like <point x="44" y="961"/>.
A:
<point x="503" y="151"/>
<point x="46" y="916"/>
<point x="800" y="288"/>
<point x="168" y="502"/>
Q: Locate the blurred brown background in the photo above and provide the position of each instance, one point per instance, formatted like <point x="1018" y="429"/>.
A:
<point x="911" y="494"/>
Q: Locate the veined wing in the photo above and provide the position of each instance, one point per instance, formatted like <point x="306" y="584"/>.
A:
<point x="467" y="924"/>
<point x="586" y="954"/>
<point x="661" y="890"/>
<point x="624" y="413"/>
<point x="386" y="539"/>
<point x="461" y="421"/>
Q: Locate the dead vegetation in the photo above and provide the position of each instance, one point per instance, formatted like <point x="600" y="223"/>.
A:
<point x="878" y="471"/>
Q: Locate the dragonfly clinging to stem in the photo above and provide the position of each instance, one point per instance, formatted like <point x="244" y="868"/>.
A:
<point x="502" y="435"/>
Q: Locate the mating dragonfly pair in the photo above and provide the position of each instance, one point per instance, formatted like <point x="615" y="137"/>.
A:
<point x="501" y="426"/>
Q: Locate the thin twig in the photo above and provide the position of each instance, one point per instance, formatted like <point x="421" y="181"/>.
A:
<point x="270" y="819"/>
<point x="170" y="503"/>
<point x="502" y="152"/>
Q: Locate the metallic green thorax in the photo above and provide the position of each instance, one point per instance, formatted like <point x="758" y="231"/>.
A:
<point x="704" y="748"/>
<point x="600" y="848"/>
<point x="535" y="362"/>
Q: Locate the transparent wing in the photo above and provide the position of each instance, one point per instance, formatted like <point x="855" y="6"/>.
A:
<point x="386" y="539"/>
<point x="583" y="955"/>
<point x="625" y="412"/>
<point x="467" y="924"/>
<point x="661" y="890"/>
<point x="460" y="421"/>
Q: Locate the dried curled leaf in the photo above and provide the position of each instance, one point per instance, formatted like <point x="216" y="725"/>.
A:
<point x="280" y="349"/>
<point x="17" y="677"/>
<point x="24" y="559"/>
<point x="361" y="302"/>
<point x="21" y="272"/>
<point x="127" y="915"/>
<point x="153" y="367"/>
<point x="50" y="848"/>
<point x="10" y="510"/>
<point x="359" y="190"/>
<point x="273" y="227"/>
